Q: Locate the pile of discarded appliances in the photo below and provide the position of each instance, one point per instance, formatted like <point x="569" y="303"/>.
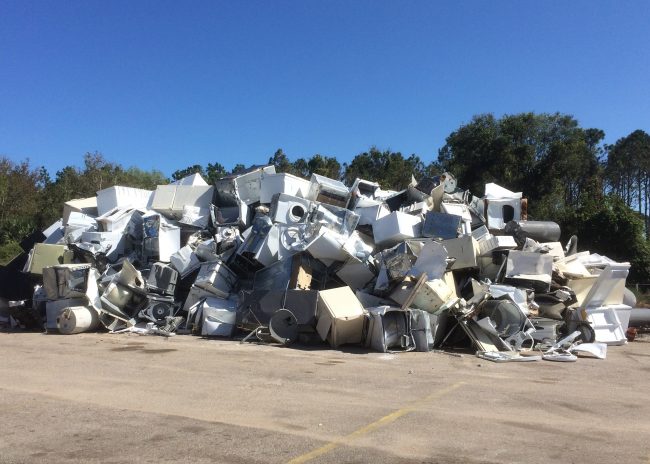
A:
<point x="275" y="258"/>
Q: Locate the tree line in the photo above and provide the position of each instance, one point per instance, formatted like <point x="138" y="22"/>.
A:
<point x="596" y="191"/>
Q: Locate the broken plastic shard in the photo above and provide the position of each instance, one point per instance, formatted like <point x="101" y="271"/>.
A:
<point x="506" y="356"/>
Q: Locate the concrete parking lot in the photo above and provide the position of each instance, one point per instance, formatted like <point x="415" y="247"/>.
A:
<point x="124" y="398"/>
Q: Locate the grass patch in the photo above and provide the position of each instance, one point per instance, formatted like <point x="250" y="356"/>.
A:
<point x="9" y="251"/>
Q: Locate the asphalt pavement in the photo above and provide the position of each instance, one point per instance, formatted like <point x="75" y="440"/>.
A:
<point x="99" y="397"/>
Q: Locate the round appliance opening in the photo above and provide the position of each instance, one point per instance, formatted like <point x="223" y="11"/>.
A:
<point x="297" y="212"/>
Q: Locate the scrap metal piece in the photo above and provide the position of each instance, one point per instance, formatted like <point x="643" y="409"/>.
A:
<point x="330" y="191"/>
<point x="245" y="187"/>
<point x="300" y="271"/>
<point x="282" y="183"/>
<point x="389" y="330"/>
<point x="424" y="328"/>
<point x="160" y="238"/>
<point x="599" y="350"/>
<point x="482" y="339"/>
<point x="428" y="295"/>
<point x="340" y="317"/>
<point x="185" y="261"/>
<point x="54" y="308"/>
<point x="526" y="269"/>
<point x="283" y="327"/>
<point x="414" y="291"/>
<point x="441" y="226"/>
<point x="158" y="309"/>
<point x="110" y="244"/>
<point x="356" y="273"/>
<point x="287" y="209"/>
<point x="162" y="279"/>
<point x="216" y="278"/>
<point x="260" y="248"/>
<point x="219" y="316"/>
<point x="432" y="260"/>
<point x="77" y="319"/>
<point x="368" y="215"/>
<point x="44" y="255"/>
<point x="559" y="356"/>
<point x="122" y="197"/>
<point x="541" y="231"/>
<point x="461" y="210"/>
<point x="256" y="308"/>
<point x="395" y="228"/>
<point x="66" y="281"/>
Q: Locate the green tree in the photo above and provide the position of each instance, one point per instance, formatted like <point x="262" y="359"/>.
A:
<point x="627" y="172"/>
<point x="549" y="157"/>
<point x="238" y="169"/>
<point x="139" y="178"/>
<point x="325" y="166"/>
<point x="300" y="168"/>
<point x="19" y="199"/>
<point x="214" y="172"/>
<point x="188" y="171"/>
<point x="612" y="228"/>
<point x="390" y="169"/>
<point x="280" y="161"/>
<point x="97" y="174"/>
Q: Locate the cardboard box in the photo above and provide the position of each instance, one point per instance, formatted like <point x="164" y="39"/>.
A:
<point x="340" y="316"/>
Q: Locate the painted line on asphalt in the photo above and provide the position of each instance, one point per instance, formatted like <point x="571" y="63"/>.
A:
<point x="366" y="429"/>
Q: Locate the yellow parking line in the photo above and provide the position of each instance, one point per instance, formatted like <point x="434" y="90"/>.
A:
<point x="392" y="417"/>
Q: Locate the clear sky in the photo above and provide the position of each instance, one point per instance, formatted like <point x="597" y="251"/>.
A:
<point x="166" y="84"/>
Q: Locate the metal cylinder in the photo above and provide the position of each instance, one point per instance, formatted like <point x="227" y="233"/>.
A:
<point x="640" y="317"/>
<point x="77" y="319"/>
<point x="541" y="231"/>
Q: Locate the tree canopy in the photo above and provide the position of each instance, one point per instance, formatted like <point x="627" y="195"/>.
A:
<point x="547" y="156"/>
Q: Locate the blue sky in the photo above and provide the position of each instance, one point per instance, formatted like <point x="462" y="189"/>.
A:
<point x="166" y="84"/>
